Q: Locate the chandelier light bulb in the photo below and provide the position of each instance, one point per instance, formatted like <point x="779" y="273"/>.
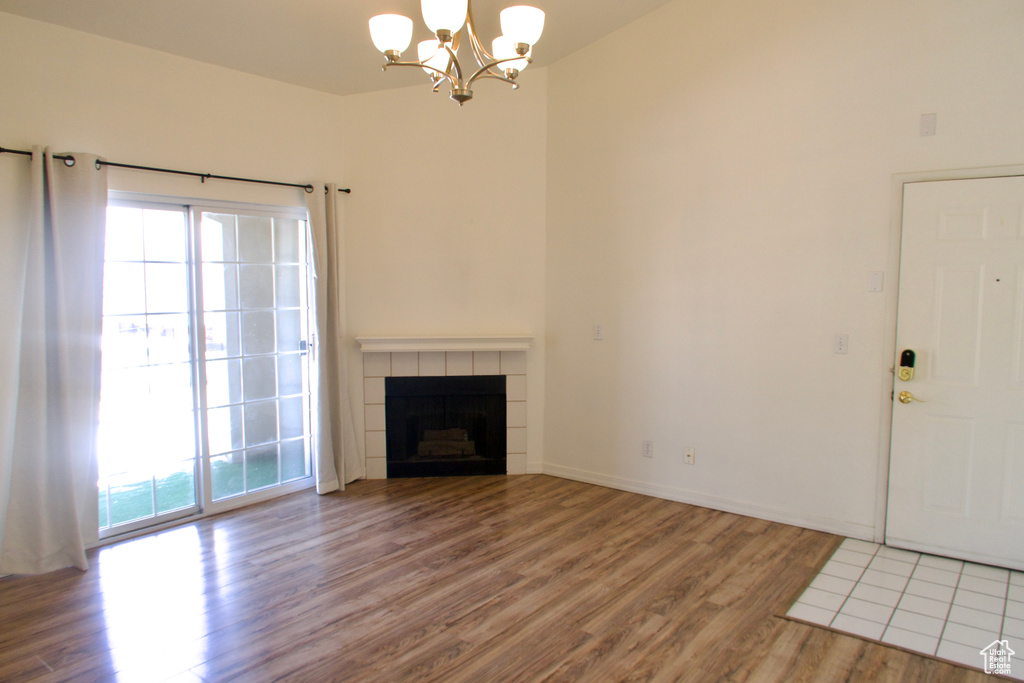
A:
<point x="504" y="47"/>
<point x="522" y="24"/>
<point x="431" y="54"/>
<point x="391" y="32"/>
<point x="444" y="15"/>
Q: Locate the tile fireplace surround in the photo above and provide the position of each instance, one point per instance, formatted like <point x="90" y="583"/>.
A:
<point x="441" y="357"/>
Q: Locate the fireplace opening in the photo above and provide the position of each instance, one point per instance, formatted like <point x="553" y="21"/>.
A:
<point x="445" y="426"/>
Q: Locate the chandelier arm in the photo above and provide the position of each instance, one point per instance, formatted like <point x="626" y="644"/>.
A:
<point x="485" y="70"/>
<point x="479" y="52"/>
<point x="454" y="62"/>
<point x="423" y="66"/>
<point x="505" y="79"/>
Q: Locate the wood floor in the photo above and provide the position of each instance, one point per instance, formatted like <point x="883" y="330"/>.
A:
<point x="527" y="578"/>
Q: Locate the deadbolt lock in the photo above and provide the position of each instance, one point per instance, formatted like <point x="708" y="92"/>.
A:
<point x="907" y="359"/>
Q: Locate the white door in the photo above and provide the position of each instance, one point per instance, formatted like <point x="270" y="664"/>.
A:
<point x="956" y="470"/>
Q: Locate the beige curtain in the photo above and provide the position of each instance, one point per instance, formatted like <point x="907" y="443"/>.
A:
<point x="335" y="454"/>
<point x="48" y="462"/>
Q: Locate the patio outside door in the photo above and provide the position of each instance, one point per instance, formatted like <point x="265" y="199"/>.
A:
<point x="201" y="422"/>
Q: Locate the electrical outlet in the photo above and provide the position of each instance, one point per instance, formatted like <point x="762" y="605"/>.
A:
<point x="647" y="450"/>
<point x="841" y="344"/>
<point x="689" y="454"/>
<point x="876" y="281"/>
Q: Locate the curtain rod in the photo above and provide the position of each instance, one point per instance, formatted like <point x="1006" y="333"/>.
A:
<point x="203" y="176"/>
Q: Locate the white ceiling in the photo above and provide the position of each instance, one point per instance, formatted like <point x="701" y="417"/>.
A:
<point x="320" y="44"/>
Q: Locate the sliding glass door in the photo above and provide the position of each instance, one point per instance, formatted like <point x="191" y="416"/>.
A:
<point x="147" y="435"/>
<point x="255" y="309"/>
<point x="192" y="422"/>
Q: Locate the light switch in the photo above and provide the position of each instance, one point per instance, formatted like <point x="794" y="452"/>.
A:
<point x="929" y="123"/>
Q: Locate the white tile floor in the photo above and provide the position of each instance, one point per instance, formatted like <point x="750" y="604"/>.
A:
<point x="933" y="605"/>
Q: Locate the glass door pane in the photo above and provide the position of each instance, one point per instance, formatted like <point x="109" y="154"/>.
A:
<point x="146" y="443"/>
<point x="255" y="305"/>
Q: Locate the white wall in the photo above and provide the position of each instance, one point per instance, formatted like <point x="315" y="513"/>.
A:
<point x="77" y="92"/>
<point x="72" y="90"/>
<point x="446" y="226"/>
<point x="718" y="191"/>
<point x="445" y="233"/>
<point x="711" y="183"/>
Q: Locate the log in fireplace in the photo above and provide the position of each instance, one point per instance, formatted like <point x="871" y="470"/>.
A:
<point x="445" y="426"/>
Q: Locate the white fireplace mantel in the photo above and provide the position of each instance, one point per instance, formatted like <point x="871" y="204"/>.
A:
<point x="413" y="344"/>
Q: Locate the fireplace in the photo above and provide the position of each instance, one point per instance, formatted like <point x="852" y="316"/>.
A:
<point x="445" y="426"/>
<point x="453" y="356"/>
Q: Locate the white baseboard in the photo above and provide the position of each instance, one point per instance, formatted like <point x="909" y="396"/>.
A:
<point x="827" y="524"/>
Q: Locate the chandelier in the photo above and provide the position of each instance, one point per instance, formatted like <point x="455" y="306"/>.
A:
<point x="521" y="27"/>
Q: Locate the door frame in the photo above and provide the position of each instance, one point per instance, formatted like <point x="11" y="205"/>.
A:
<point x="892" y="313"/>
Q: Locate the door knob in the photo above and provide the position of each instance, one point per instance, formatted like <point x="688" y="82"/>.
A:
<point x="907" y="397"/>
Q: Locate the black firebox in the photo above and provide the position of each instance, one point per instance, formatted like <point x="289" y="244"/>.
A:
<point x="445" y="426"/>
